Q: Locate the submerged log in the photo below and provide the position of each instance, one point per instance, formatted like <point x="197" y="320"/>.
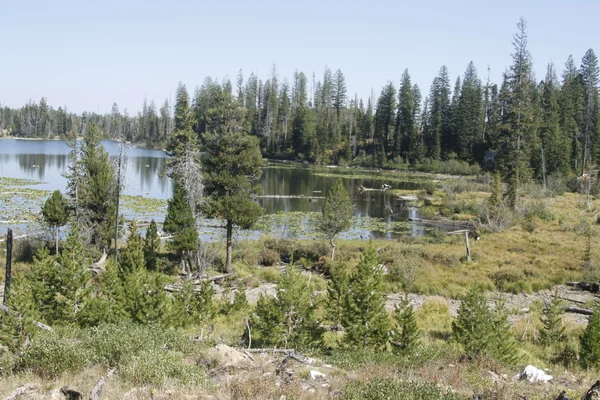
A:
<point x="383" y="188"/>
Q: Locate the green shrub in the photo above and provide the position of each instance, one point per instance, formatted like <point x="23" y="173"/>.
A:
<point x="51" y="355"/>
<point x="387" y="388"/>
<point x="269" y="257"/>
<point x="111" y="344"/>
<point x="158" y="367"/>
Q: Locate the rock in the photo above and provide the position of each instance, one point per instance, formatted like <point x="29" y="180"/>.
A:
<point x="316" y="375"/>
<point x="228" y="357"/>
<point x="533" y="374"/>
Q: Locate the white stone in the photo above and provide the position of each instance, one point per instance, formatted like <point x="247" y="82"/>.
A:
<point x="316" y="375"/>
<point x="533" y="374"/>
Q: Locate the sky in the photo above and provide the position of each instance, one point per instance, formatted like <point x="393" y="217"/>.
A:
<point x="88" y="54"/>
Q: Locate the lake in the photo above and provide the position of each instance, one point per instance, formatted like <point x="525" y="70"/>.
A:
<point x="378" y="214"/>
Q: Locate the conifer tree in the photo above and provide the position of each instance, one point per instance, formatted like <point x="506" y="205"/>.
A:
<point x="132" y="258"/>
<point x="385" y="119"/>
<point x="590" y="75"/>
<point x="405" y="138"/>
<point x="366" y="320"/>
<point x="590" y="341"/>
<point x="55" y="213"/>
<point x="553" y="146"/>
<point x="180" y="223"/>
<point x="571" y="112"/>
<point x="337" y="213"/>
<point x="406" y="337"/>
<point x="472" y="327"/>
<point x="501" y="342"/>
<point x="151" y="245"/>
<point x="232" y="168"/>
<point x="97" y="190"/>
<point x="337" y="294"/>
<point x="439" y="99"/>
<point x="496" y="195"/>
<point x="553" y="330"/>
<point x="518" y="134"/>
<point x="288" y="319"/>
<point x="191" y="306"/>
<point x="146" y="301"/>
<point x="468" y="114"/>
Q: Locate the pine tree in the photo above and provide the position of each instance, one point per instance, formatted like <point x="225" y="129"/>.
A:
<point x="366" y="320"/>
<point x="405" y="138"/>
<point x="439" y="98"/>
<point x="496" y="196"/>
<point x="469" y="117"/>
<point x="191" y="306"/>
<point x="385" y="119"/>
<point x="406" y="338"/>
<point x="554" y="149"/>
<point x="145" y="299"/>
<point x="472" y="327"/>
<point x="337" y="213"/>
<point x="132" y="258"/>
<point x="501" y="342"/>
<point x="97" y="190"/>
<point x="571" y="112"/>
<point x="180" y="223"/>
<point x="518" y="134"/>
<point x="590" y="75"/>
<point x="553" y="330"/>
<point x="288" y="319"/>
<point x="55" y="213"/>
<point x="232" y="168"/>
<point x="151" y="245"/>
<point x="590" y="341"/>
<point x="337" y="292"/>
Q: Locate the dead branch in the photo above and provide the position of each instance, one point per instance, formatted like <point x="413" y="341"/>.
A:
<point x="98" y="266"/>
<point x="97" y="389"/>
<point x="19" y="391"/>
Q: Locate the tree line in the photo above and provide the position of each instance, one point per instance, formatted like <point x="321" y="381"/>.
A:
<point x="527" y="128"/>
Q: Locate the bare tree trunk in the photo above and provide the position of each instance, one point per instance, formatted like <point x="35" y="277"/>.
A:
<point x="228" y="258"/>
<point x="56" y="237"/>
<point x="332" y="248"/>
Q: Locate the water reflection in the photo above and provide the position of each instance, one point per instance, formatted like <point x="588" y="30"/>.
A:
<point x="47" y="161"/>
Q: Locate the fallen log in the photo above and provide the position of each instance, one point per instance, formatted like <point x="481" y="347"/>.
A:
<point x="289" y="353"/>
<point x="577" y="310"/>
<point x="97" y="389"/>
<point x="593" y="287"/>
<point x="19" y="391"/>
<point x="175" y="287"/>
<point x="38" y="324"/>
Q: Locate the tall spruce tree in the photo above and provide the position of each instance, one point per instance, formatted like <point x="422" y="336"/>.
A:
<point x="385" y="117"/>
<point x="181" y="224"/>
<point x="571" y="112"/>
<point x="439" y="100"/>
<point x="591" y="141"/>
<point x="518" y="134"/>
<point x="469" y="115"/>
<point x="405" y="138"/>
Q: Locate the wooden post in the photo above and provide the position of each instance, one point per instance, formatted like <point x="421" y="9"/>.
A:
<point x="467" y="243"/>
<point x="9" y="245"/>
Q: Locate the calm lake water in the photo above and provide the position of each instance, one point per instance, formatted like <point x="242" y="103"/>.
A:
<point x="47" y="160"/>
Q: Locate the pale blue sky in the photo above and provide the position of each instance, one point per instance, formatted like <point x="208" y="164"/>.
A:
<point x="89" y="54"/>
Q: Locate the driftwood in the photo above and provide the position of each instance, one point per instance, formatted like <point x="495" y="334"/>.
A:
<point x="293" y="196"/>
<point x="97" y="389"/>
<point x="98" y="266"/>
<point x="19" y="391"/>
<point x="39" y="324"/>
<point x="574" y="310"/>
<point x="177" y="287"/>
<point x="594" y="392"/>
<point x="383" y="188"/>
<point x="289" y="353"/>
<point x="444" y="222"/>
<point x="593" y="287"/>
